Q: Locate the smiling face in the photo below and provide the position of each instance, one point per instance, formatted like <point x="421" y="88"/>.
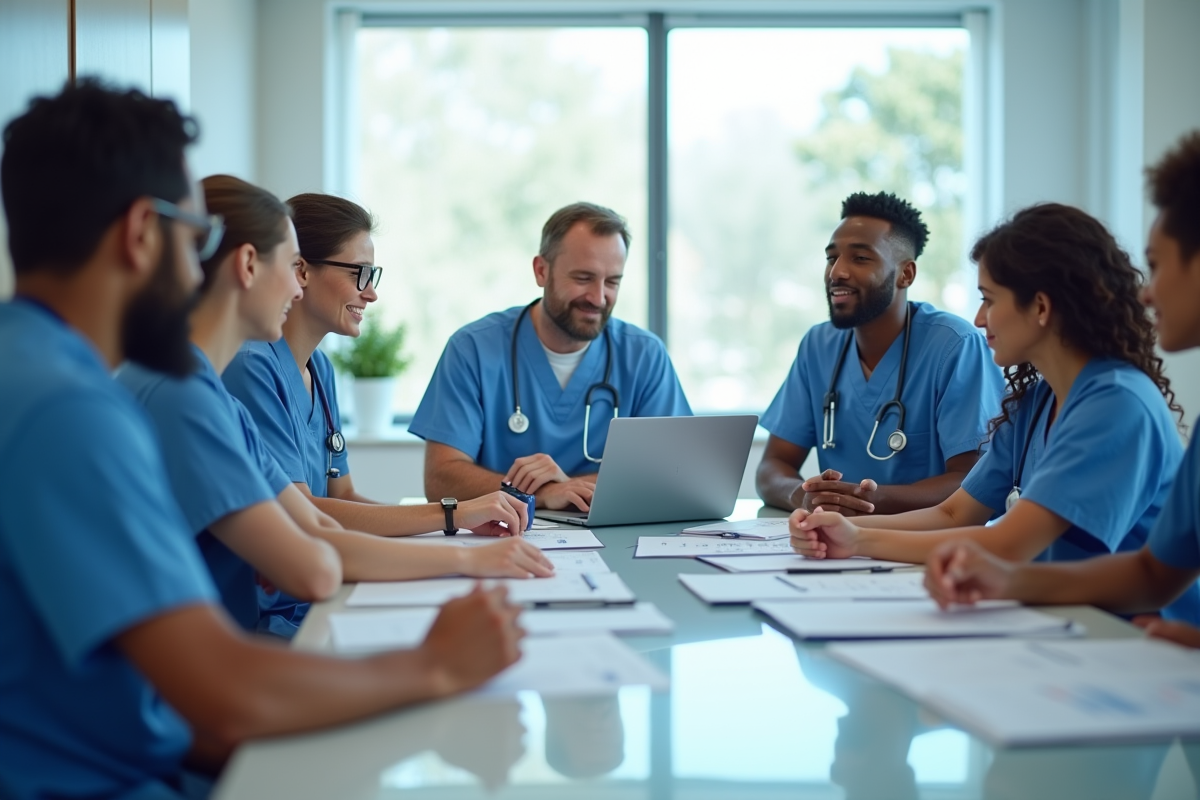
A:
<point x="332" y="300"/>
<point x="275" y="288"/>
<point x="864" y="267"/>
<point x="1013" y="333"/>
<point x="581" y="285"/>
<point x="1173" y="292"/>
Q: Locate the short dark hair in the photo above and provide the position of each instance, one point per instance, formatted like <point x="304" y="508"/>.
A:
<point x="905" y="220"/>
<point x="1175" y="191"/>
<point x="600" y="220"/>
<point x="75" y="162"/>
<point x="252" y="216"/>
<point x="325" y="223"/>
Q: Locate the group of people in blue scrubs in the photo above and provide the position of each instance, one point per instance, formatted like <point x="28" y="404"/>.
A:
<point x="205" y="495"/>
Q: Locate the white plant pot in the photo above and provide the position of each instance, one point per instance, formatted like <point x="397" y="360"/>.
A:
<point x="373" y="406"/>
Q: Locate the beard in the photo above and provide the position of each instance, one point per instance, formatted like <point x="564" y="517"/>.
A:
<point x="871" y="303"/>
<point x="154" y="333"/>
<point x="561" y="314"/>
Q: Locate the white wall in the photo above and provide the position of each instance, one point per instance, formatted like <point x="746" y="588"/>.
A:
<point x="224" y="70"/>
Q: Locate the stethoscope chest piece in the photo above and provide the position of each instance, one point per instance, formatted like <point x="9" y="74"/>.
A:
<point x="336" y="443"/>
<point x="1011" y="500"/>
<point x="518" y="422"/>
<point x="897" y="441"/>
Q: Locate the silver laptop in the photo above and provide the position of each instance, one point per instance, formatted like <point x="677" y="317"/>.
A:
<point x="663" y="469"/>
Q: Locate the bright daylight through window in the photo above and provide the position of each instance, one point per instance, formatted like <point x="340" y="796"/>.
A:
<point x="468" y="138"/>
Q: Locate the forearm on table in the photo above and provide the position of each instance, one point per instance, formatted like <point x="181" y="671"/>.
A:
<point x="383" y="520"/>
<point x="1124" y="583"/>
<point x="924" y="494"/>
<point x="777" y="482"/>
<point x="935" y="518"/>
<point x="373" y="558"/>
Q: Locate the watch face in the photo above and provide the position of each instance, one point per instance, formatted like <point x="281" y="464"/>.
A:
<point x="449" y="502"/>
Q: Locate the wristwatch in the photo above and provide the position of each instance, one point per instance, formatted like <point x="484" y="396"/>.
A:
<point x="448" y="505"/>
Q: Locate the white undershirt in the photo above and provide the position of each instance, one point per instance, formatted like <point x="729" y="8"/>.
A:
<point x="564" y="364"/>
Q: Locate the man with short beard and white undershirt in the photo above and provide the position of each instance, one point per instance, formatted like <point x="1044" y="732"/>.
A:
<point x="481" y="429"/>
<point x="948" y="388"/>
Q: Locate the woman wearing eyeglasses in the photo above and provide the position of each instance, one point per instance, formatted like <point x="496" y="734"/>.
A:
<point x="288" y="387"/>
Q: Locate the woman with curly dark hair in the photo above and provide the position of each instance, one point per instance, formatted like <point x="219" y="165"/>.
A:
<point x="1167" y="567"/>
<point x="1080" y="458"/>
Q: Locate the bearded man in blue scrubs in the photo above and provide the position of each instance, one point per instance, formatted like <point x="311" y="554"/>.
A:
<point x="116" y="659"/>
<point x="897" y="394"/>
<point x="497" y="411"/>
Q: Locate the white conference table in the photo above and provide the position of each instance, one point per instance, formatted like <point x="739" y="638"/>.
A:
<point x="751" y="713"/>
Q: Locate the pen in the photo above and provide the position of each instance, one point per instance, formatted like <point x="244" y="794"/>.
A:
<point x="589" y="581"/>
<point x="807" y="571"/>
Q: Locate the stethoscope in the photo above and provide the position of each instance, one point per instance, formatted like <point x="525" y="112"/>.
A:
<point x="335" y="443"/>
<point x="1015" y="494"/>
<point x="896" y="440"/>
<point x="519" y="423"/>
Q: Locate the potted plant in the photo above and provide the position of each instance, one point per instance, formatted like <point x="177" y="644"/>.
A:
<point x="375" y="361"/>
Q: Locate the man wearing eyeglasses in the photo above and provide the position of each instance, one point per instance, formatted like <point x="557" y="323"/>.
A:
<point x="117" y="660"/>
<point x="526" y="395"/>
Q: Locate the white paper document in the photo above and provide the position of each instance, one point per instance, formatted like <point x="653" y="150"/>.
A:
<point x="567" y="587"/>
<point x="768" y="528"/>
<point x="750" y="586"/>
<point x="910" y="619"/>
<point x="575" y="665"/>
<point x="576" y="561"/>
<point x="374" y="630"/>
<point x="557" y="539"/>
<point x="1021" y="692"/>
<point x="696" y="546"/>
<point x="797" y="563"/>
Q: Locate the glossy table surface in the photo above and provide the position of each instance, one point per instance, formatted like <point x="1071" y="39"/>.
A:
<point x="751" y="713"/>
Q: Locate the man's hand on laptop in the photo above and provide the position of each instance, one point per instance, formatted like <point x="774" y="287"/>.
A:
<point x="530" y="473"/>
<point x="573" y="493"/>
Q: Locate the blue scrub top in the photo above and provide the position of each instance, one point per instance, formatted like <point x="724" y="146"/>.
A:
<point x="216" y="463"/>
<point x="1105" y="467"/>
<point x="91" y="544"/>
<point x="293" y="425"/>
<point x="265" y="378"/>
<point x="951" y="389"/>
<point x="1175" y="539"/>
<point x="470" y="397"/>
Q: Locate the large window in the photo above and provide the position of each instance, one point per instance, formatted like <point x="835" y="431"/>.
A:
<point x="728" y="147"/>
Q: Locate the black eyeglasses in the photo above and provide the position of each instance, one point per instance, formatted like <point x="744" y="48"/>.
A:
<point x="209" y="230"/>
<point x="367" y="274"/>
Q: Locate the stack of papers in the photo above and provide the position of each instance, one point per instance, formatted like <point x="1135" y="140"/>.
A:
<point x="400" y="628"/>
<point x="600" y="588"/>
<point x="574" y="539"/>
<point x="575" y="665"/>
<point x="798" y="563"/>
<point x="748" y="587"/>
<point x="1023" y="693"/>
<point x="689" y="547"/>
<point x="761" y="529"/>
<point x="911" y="619"/>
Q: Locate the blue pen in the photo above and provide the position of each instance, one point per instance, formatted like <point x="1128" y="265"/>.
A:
<point x="589" y="581"/>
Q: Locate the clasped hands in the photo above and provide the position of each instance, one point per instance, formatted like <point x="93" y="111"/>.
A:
<point x="539" y="475"/>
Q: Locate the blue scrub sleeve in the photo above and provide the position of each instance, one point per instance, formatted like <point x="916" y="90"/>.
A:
<point x="971" y="388"/>
<point x="991" y="479"/>
<point x="1100" y="467"/>
<point x="451" y="412"/>
<point x="277" y="480"/>
<point x="790" y="415"/>
<point x="660" y="393"/>
<point x="211" y="472"/>
<point x="105" y="546"/>
<point x="1175" y="540"/>
<point x="254" y="379"/>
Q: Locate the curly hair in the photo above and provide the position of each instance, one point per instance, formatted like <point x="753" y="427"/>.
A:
<point x="1092" y="284"/>
<point x="905" y="220"/>
<point x="1175" y="191"/>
